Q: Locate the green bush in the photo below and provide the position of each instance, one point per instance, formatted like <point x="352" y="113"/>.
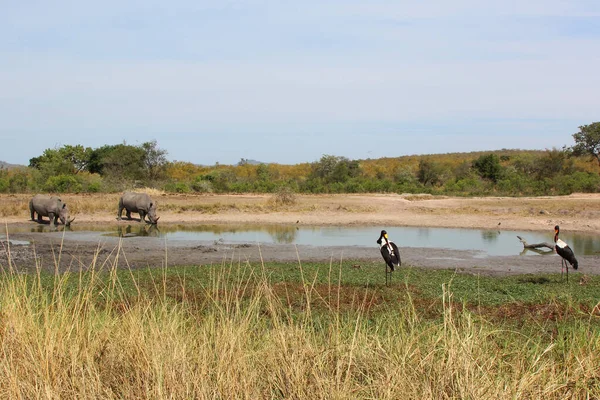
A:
<point x="4" y="185"/>
<point x="284" y="197"/>
<point x="354" y="187"/>
<point x="488" y="167"/>
<point x="63" y="184"/>
<point x="18" y="182"/>
<point x="176" y="187"/>
<point x="577" y="182"/>
<point x="202" y="186"/>
<point x="94" y="187"/>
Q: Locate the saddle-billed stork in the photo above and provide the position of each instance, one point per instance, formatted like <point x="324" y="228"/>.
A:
<point x="390" y="253"/>
<point x="565" y="253"/>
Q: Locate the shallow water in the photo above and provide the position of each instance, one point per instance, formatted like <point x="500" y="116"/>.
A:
<point x="488" y="242"/>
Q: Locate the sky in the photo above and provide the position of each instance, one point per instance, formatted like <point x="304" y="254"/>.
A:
<point x="288" y="82"/>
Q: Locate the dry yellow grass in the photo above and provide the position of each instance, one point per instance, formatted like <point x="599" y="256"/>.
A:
<point x="106" y="336"/>
<point x="576" y="212"/>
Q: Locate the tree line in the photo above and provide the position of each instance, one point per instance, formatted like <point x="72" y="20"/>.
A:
<point x="112" y="168"/>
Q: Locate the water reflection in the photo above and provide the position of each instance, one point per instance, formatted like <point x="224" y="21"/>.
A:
<point x="50" y="228"/>
<point x="490" y="236"/>
<point x="138" y="230"/>
<point x="423" y="232"/>
<point x="283" y="234"/>
<point x="536" y="251"/>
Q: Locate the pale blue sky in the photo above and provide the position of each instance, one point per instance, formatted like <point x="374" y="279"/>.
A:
<point x="286" y="82"/>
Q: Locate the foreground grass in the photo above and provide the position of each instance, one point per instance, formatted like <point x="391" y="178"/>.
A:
<point x="299" y="330"/>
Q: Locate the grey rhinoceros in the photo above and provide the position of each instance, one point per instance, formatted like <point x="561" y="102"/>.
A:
<point x="51" y="207"/>
<point x="140" y="203"/>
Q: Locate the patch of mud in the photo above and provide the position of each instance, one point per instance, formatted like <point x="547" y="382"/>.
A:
<point x="16" y="253"/>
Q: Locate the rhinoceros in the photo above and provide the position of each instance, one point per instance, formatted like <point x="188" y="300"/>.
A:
<point x="51" y="207"/>
<point x="140" y="203"/>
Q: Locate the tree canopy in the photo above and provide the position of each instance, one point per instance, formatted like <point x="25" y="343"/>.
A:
<point x="502" y="172"/>
<point x="587" y="141"/>
<point x="121" y="162"/>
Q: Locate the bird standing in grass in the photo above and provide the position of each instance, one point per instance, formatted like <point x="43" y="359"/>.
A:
<point x="390" y="253"/>
<point x="565" y="253"/>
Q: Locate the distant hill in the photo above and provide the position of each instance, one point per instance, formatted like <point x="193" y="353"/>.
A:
<point x="6" y="165"/>
<point x="250" y="162"/>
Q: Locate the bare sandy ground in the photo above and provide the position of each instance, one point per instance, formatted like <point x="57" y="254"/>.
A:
<point x="578" y="212"/>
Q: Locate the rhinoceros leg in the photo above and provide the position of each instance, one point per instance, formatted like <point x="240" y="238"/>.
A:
<point x="142" y="216"/>
<point x="128" y="214"/>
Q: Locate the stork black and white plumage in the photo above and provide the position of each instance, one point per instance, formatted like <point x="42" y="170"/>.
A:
<point x="565" y="253"/>
<point x="390" y="253"/>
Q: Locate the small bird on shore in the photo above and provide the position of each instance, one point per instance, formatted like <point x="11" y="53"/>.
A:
<point x="389" y="252"/>
<point x="565" y="252"/>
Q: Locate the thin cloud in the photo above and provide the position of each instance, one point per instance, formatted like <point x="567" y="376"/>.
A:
<point x="342" y="73"/>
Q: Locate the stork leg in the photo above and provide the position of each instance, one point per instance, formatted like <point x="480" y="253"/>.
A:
<point x="388" y="275"/>
<point x="562" y="268"/>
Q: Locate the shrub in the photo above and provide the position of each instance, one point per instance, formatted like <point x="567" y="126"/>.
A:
<point x="577" y="182"/>
<point x="4" y="185"/>
<point x="176" y="187"/>
<point x="94" y="187"/>
<point x="284" y="196"/>
<point x="18" y="182"/>
<point x="63" y="184"/>
<point x="202" y="186"/>
<point x="488" y="166"/>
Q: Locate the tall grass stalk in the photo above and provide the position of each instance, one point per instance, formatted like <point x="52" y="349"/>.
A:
<point x="86" y="335"/>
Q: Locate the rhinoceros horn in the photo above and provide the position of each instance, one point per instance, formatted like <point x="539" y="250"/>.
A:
<point x="69" y="221"/>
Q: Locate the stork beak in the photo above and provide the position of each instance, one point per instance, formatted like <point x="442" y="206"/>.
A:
<point x="385" y="235"/>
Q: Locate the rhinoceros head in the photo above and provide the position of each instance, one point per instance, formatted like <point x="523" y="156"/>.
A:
<point x="152" y="213"/>
<point x="63" y="215"/>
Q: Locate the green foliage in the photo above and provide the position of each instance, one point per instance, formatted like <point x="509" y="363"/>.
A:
<point x="63" y="184"/>
<point x="333" y="169"/>
<point x="587" y="141"/>
<point x="177" y="187"/>
<point x="122" y="162"/>
<point x="429" y="172"/>
<point x="266" y="173"/>
<point x="488" y="167"/>
<point x="65" y="160"/>
<point x="554" y="162"/>
<point x="18" y="182"/>
<point x="4" y="180"/>
<point x="116" y="167"/>
<point x="155" y="160"/>
<point x="201" y="185"/>
<point x="94" y="187"/>
<point x="577" y="182"/>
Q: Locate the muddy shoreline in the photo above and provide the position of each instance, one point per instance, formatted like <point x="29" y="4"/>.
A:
<point x="577" y="212"/>
<point x="80" y="251"/>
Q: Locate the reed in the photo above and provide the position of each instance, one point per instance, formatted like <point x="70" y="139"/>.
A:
<point x="111" y="334"/>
